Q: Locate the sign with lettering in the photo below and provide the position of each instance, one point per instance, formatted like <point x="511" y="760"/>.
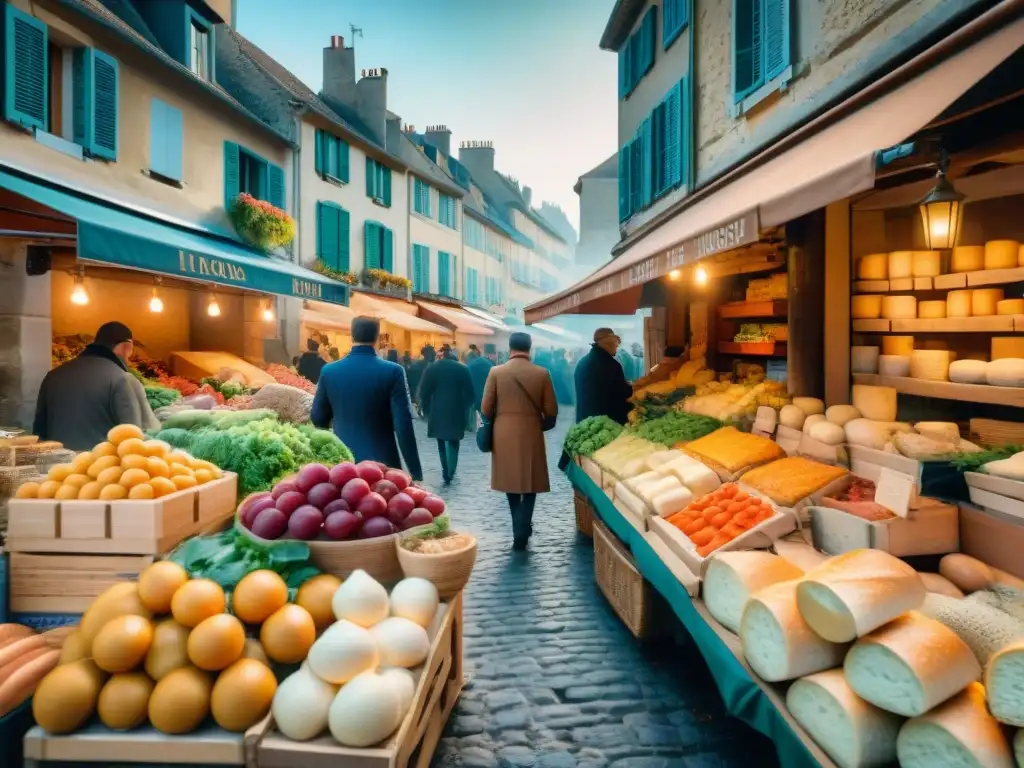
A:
<point x="222" y="264"/>
<point x="743" y="230"/>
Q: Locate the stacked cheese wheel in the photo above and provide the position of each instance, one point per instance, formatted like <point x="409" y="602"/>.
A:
<point x="125" y="466"/>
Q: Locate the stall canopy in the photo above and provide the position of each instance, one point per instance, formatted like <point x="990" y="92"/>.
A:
<point x="387" y="312"/>
<point x="492" y="321"/>
<point x="456" y="319"/>
<point x="328" y="316"/>
<point x="112" y="236"/>
<point x="829" y="159"/>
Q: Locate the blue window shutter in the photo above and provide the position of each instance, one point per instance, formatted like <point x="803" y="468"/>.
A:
<point x="425" y="266"/>
<point x="673" y="155"/>
<point x="777" y="47"/>
<point x="165" y="139"/>
<point x="318" y="162"/>
<point x="686" y="135"/>
<point x="648" y="162"/>
<point x="105" y="105"/>
<point x="747" y="44"/>
<point x="275" y="186"/>
<point x="343" y="240"/>
<point x="388" y="248"/>
<point x="387" y="186"/>
<point x="624" y="198"/>
<point x="442" y="273"/>
<point x="416" y="268"/>
<point x="175" y="143"/>
<point x="343" y="161"/>
<point x="328" y="245"/>
<point x="624" y="70"/>
<point x="675" y="16"/>
<point x="649" y="32"/>
<point x="371" y="177"/>
<point x="371" y="251"/>
<point x="231" y="173"/>
<point x="26" y="69"/>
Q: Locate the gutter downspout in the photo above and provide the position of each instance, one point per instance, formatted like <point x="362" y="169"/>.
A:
<point x="691" y="171"/>
<point x="299" y="112"/>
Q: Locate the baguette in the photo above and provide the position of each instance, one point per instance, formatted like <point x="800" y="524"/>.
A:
<point x="732" y="577"/>
<point x="1004" y="684"/>
<point x="910" y="665"/>
<point x="857" y="592"/>
<point x="777" y="643"/>
<point x="959" y="732"/>
<point x="22" y="682"/>
<point x="940" y="585"/>
<point x="854" y="733"/>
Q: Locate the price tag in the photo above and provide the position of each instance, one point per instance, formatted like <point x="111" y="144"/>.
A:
<point x="895" y="491"/>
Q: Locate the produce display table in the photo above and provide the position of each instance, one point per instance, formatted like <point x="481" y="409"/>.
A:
<point x="759" y="704"/>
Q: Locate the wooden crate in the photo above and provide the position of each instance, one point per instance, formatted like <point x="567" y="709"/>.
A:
<point x="414" y="742"/>
<point x="621" y="582"/>
<point x="143" y="527"/>
<point x="67" y="584"/>
<point x="98" y="745"/>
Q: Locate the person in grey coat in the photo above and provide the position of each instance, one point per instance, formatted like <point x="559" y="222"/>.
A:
<point x="81" y="400"/>
<point x="446" y="397"/>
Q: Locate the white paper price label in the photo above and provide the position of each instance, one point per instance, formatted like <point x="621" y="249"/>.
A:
<point x="895" y="491"/>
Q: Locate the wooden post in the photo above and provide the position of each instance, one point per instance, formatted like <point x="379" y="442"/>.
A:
<point x="837" y="303"/>
<point x="805" y="238"/>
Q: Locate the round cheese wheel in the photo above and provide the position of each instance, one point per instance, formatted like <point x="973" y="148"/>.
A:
<point x="930" y="364"/>
<point x="967" y="258"/>
<point x="901" y="264"/>
<point x="927" y="264"/>
<point x="897" y="345"/>
<point x="968" y="371"/>
<point x="874" y="266"/>
<point x="1007" y="372"/>
<point x="985" y="300"/>
<point x="866" y="307"/>
<point x="894" y="365"/>
<point x="1010" y="307"/>
<point x="958" y="304"/>
<point x="1001" y="254"/>
<point x="931" y="310"/>
<point x="899" y="307"/>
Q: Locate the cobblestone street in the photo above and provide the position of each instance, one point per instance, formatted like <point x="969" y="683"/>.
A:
<point x="553" y="678"/>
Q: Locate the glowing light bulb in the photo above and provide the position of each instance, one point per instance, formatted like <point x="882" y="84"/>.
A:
<point x="673" y="275"/>
<point x="156" y="304"/>
<point x="213" y="308"/>
<point x="79" y="295"/>
<point x="700" y="276"/>
<point x="268" y="315"/>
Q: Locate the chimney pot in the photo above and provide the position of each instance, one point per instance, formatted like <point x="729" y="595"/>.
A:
<point x="337" y="41"/>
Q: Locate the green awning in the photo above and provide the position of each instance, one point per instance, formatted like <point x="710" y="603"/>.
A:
<point x="114" y="236"/>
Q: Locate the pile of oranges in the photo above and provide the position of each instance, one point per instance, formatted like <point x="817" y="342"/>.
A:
<point x="125" y="466"/>
<point x="717" y="518"/>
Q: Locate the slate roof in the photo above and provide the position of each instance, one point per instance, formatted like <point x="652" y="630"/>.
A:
<point x="132" y="29"/>
<point x="419" y="164"/>
<point x="608" y="169"/>
<point x="519" y="202"/>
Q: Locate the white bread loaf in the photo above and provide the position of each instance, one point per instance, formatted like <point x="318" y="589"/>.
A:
<point x="732" y="577"/>
<point x="777" y="643"/>
<point x="1004" y="684"/>
<point x="910" y="665"/>
<point x="857" y="592"/>
<point x="854" y="733"/>
<point x="958" y="733"/>
<point x="801" y="554"/>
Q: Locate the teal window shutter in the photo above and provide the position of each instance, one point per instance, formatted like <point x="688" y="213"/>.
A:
<point x="686" y="164"/>
<point x="275" y="186"/>
<point x="343" y="161"/>
<point x="386" y="196"/>
<point x="624" y="70"/>
<point x="649" y="35"/>
<point x="672" y="156"/>
<point x="443" y="275"/>
<point x="318" y="162"/>
<point x="416" y="268"/>
<point x="777" y="48"/>
<point x="328" y="242"/>
<point x="675" y="15"/>
<point x="646" y="138"/>
<point x="371" y="235"/>
<point x="165" y="140"/>
<point x="625" y="208"/>
<point x="26" y="69"/>
<point x="231" y="173"/>
<point x="371" y="177"/>
<point x="388" y="250"/>
<point x="344" y="230"/>
<point x="425" y="270"/>
<point x="95" y="96"/>
<point x="747" y="48"/>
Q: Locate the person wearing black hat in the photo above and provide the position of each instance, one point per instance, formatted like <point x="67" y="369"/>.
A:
<point x="81" y="400"/>
<point x="310" y="362"/>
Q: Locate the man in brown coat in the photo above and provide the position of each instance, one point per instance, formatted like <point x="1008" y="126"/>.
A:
<point x="520" y="399"/>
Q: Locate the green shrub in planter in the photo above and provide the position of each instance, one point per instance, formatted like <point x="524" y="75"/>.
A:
<point x="261" y="224"/>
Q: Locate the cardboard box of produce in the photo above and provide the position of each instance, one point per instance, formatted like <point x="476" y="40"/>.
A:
<point x="993" y="537"/>
<point x="931" y="529"/>
<point x="997" y="493"/>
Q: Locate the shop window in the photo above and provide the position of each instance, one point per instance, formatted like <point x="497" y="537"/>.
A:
<point x="420" y="269"/>
<point x="378" y="246"/>
<point x="248" y="173"/>
<point x="332" y="236"/>
<point x="331" y="157"/>
<point x="198" y="49"/>
<point x="378" y="182"/>
<point x="165" y="141"/>
<point x="421" y="197"/>
<point x="761" y="49"/>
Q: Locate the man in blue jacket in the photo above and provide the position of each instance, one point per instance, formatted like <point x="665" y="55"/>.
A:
<point x="601" y="386"/>
<point x="368" y="400"/>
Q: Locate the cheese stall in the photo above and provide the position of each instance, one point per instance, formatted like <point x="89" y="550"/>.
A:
<point x="832" y="477"/>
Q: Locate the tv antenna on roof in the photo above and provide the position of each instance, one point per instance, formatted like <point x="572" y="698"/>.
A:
<point x="356" y="32"/>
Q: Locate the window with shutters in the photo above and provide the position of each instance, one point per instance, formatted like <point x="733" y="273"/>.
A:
<point x="26" y="69"/>
<point x="246" y="172"/>
<point x="331" y="157"/>
<point x="95" y="96"/>
<point x="471" y="291"/>
<point x="421" y="197"/>
<point x="198" y="44"/>
<point x="165" y="141"/>
<point x="252" y="175"/>
<point x="447" y="211"/>
<point x="636" y="56"/>
<point x="378" y="242"/>
<point x="446" y="274"/>
<point x="761" y="48"/>
<point x="420" y="268"/>
<point x="378" y="182"/>
<point x="332" y="235"/>
<point x="675" y="15"/>
<point x="473" y="234"/>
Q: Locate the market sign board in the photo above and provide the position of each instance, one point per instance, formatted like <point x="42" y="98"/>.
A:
<point x="740" y="231"/>
<point x="222" y="264"/>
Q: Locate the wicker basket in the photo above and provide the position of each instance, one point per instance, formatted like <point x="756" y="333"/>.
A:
<point x="584" y="514"/>
<point x="621" y="582"/>
<point x="448" y="571"/>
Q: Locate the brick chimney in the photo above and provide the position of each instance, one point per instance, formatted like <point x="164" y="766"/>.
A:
<point x="340" y="73"/>
<point x="440" y="137"/>
<point x="527" y="195"/>
<point x="477" y="156"/>
<point x="372" y="103"/>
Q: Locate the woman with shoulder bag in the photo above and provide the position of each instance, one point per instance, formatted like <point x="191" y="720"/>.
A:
<point x="520" y="406"/>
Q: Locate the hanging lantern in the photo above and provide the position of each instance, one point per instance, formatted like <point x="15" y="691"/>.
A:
<point x="268" y="313"/>
<point x="942" y="210"/>
<point x="156" y="304"/>
<point x="213" y="308"/>
<point x="79" y="295"/>
<point x="700" y="276"/>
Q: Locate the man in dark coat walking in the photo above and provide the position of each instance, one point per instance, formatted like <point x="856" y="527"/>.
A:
<point x="479" y="366"/>
<point x="601" y="386"/>
<point x="310" y="363"/>
<point x="81" y="400"/>
<point x="368" y="400"/>
<point x="446" y="396"/>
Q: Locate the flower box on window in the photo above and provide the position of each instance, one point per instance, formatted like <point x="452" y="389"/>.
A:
<point x="261" y="224"/>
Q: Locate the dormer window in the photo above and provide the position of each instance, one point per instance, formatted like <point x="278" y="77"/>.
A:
<point x="199" y="49"/>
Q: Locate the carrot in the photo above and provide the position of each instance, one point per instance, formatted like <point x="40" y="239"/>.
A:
<point x="732" y="530"/>
<point x="20" y="647"/>
<point x="718" y="541"/>
<point x="703" y="536"/>
<point x="22" y="682"/>
<point x="735" y="507"/>
<point x="721" y="519"/>
<point x="693" y="526"/>
<point x="741" y="496"/>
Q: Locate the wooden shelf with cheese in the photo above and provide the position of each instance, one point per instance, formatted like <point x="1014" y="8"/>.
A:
<point x="941" y="282"/>
<point x="985" y="324"/>
<point x="946" y="390"/>
<point x="768" y="308"/>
